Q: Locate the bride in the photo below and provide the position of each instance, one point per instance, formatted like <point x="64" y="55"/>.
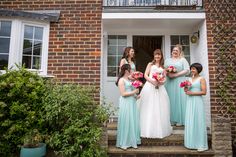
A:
<point x="154" y="102"/>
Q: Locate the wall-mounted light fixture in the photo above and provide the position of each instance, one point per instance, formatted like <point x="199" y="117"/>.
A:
<point x="195" y="37"/>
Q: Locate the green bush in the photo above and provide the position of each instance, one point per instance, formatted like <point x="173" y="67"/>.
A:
<point x="21" y="95"/>
<point x="67" y="114"/>
<point x="74" y="121"/>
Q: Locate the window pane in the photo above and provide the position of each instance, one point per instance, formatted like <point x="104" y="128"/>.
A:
<point x="111" y="71"/>
<point x="121" y="50"/>
<point x="122" y="40"/>
<point x="188" y="59"/>
<point x="171" y="48"/>
<point x="186" y="50"/>
<point x="28" y="33"/>
<point x="27" y="48"/>
<point x="184" y="40"/>
<point x="116" y="46"/>
<point x="36" y="63"/>
<point x="111" y="61"/>
<point x="27" y="61"/>
<point x="4" y="45"/>
<point x="174" y="39"/>
<point x="37" y="48"/>
<point x="38" y="34"/>
<point x="112" y="40"/>
<point x="5" y="28"/>
<point x="3" y="61"/>
<point x="119" y="58"/>
<point x="111" y="50"/>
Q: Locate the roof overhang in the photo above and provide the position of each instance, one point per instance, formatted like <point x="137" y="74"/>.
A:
<point x="42" y="15"/>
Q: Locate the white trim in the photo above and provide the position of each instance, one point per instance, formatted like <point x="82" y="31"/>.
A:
<point x="153" y="16"/>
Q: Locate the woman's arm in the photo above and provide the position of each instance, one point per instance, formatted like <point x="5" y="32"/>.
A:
<point x="123" y="93"/>
<point x="122" y="62"/>
<point x="185" y="70"/>
<point x="177" y="74"/>
<point x="203" y="89"/>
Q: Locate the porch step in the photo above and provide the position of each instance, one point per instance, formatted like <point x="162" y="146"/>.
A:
<point x="176" y="129"/>
<point x="171" y="146"/>
<point x="172" y="140"/>
<point x="158" y="151"/>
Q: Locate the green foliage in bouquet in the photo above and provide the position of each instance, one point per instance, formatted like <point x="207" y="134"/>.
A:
<point x="74" y="121"/>
<point x="21" y="95"/>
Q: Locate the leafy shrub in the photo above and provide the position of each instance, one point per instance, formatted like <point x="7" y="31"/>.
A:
<point x="21" y="95"/>
<point x="74" y="121"/>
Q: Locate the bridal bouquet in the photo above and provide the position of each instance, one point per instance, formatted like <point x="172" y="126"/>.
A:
<point x="137" y="84"/>
<point x="171" y="69"/>
<point x="160" y="77"/>
<point x="137" y="75"/>
<point x="185" y="84"/>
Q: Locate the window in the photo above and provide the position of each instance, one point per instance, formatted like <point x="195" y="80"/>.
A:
<point x="116" y="45"/>
<point x="184" y="41"/>
<point x="27" y="46"/>
<point x="32" y="47"/>
<point x="5" y="36"/>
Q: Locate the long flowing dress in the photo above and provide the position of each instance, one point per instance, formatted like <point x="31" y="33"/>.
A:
<point x="176" y="94"/>
<point x="195" y="134"/>
<point x="128" y="128"/>
<point x="154" y="109"/>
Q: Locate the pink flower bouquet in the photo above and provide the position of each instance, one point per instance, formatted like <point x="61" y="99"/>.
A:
<point x="137" y="75"/>
<point x="160" y="77"/>
<point x="137" y="84"/>
<point x="185" y="84"/>
<point x="171" y="69"/>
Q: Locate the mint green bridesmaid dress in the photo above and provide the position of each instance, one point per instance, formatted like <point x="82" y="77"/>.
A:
<point x="128" y="127"/>
<point x="176" y="94"/>
<point x="195" y="133"/>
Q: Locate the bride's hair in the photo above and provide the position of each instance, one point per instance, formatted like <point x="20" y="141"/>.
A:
<point x="122" y="71"/>
<point x="158" y="51"/>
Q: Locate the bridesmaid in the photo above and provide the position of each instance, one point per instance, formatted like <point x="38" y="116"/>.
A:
<point x="176" y="95"/>
<point x="128" y="129"/>
<point x="195" y="134"/>
<point x="128" y="58"/>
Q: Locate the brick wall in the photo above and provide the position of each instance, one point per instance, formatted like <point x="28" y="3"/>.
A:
<point x="221" y="32"/>
<point x="74" y="42"/>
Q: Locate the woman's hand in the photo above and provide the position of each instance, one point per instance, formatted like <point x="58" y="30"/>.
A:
<point x="172" y="75"/>
<point x="155" y="83"/>
<point x="188" y="92"/>
<point x="136" y="91"/>
<point x="138" y="96"/>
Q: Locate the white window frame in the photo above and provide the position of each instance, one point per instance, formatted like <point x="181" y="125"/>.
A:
<point x="17" y="39"/>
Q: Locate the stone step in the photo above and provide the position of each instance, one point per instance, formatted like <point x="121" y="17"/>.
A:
<point x="172" y="140"/>
<point x="158" y="151"/>
<point x="177" y="129"/>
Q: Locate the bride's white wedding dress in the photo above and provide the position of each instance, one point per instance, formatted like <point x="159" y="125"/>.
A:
<point x="154" y="109"/>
